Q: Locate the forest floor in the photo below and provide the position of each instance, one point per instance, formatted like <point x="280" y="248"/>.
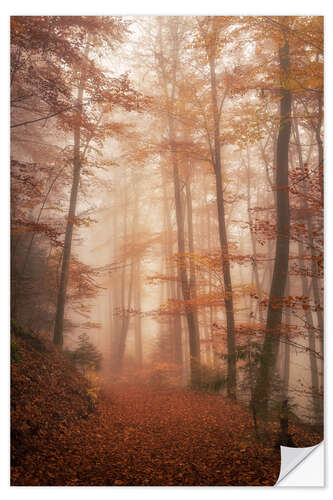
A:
<point x="135" y="434"/>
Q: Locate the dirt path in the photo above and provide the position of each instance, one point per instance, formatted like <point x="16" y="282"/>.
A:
<point x="147" y="436"/>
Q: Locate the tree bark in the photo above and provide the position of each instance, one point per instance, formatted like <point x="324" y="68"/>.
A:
<point x="137" y="321"/>
<point x="320" y="149"/>
<point x="253" y="239"/>
<point x="175" y="323"/>
<point x="275" y="306"/>
<point x="121" y="337"/>
<point x="194" y="346"/>
<point x="317" y="401"/>
<point x="314" y="253"/>
<point x="316" y="397"/>
<point x="286" y="360"/>
<point x="228" y="294"/>
<point x="192" y="280"/>
<point x="193" y="340"/>
<point x="61" y="298"/>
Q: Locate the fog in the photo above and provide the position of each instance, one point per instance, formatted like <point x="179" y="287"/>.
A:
<point x="178" y="190"/>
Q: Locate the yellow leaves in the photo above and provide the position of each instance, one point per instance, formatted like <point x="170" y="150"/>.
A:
<point x="116" y="128"/>
<point x="91" y="324"/>
<point x="93" y="393"/>
<point x="21" y="229"/>
<point x="56" y="208"/>
<point x="82" y="221"/>
<point x="94" y="384"/>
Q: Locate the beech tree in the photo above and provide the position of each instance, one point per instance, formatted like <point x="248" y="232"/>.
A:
<point x="274" y="313"/>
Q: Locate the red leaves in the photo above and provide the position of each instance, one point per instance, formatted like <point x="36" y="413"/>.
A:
<point x="139" y="435"/>
<point x="47" y="397"/>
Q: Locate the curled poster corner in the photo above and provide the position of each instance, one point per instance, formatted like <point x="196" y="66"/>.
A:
<point x="292" y="457"/>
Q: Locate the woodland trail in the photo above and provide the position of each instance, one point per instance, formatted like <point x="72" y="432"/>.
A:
<point x="174" y="436"/>
<point x="142" y="435"/>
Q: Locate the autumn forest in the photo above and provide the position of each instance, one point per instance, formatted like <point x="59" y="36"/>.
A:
<point x="166" y="247"/>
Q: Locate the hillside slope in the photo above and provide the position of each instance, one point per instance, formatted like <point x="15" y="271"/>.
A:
<point x="47" y="396"/>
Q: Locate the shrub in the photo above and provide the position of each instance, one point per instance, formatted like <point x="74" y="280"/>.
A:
<point x="86" y="355"/>
<point x="211" y="379"/>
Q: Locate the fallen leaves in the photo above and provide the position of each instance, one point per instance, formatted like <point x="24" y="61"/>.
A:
<point x="137" y="435"/>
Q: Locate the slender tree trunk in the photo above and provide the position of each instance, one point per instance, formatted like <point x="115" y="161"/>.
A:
<point x="137" y="321"/>
<point x="192" y="281"/>
<point x="253" y="239"/>
<point x="211" y="312"/>
<point x="286" y="360"/>
<point x="61" y="298"/>
<point x="320" y="149"/>
<point x="193" y="340"/>
<point x="316" y="397"/>
<point x="228" y="294"/>
<point x="116" y="285"/>
<point x="314" y="253"/>
<point x="126" y="304"/>
<point x="194" y="346"/>
<point x="275" y="307"/>
<point x="120" y="282"/>
<point x="175" y="323"/>
<point x="110" y="317"/>
<point x="205" y="237"/>
<point x="125" y="325"/>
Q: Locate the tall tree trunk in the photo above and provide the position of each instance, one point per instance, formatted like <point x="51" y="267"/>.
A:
<point x="61" y="298"/>
<point x="320" y="148"/>
<point x="194" y="346"/>
<point x="120" y="281"/>
<point x="193" y="340"/>
<point x="228" y="294"/>
<point x="116" y="283"/>
<point x="175" y="323"/>
<point x="275" y="307"/>
<point x="253" y="239"/>
<point x="137" y="321"/>
<point x="314" y="253"/>
<point x="125" y="325"/>
<point x="286" y="360"/>
<point x="192" y="281"/>
<point x="316" y="397"/>
<point x="126" y="304"/>
<point x="211" y="311"/>
<point x="205" y="236"/>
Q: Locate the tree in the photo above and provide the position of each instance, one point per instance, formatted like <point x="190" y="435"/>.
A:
<point x="117" y="93"/>
<point x="280" y="272"/>
<point x="209" y="30"/>
<point x="171" y="79"/>
<point x="86" y="355"/>
<point x="59" y="318"/>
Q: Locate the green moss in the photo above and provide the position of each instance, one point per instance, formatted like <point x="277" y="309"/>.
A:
<point x="29" y="337"/>
<point x="15" y="354"/>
